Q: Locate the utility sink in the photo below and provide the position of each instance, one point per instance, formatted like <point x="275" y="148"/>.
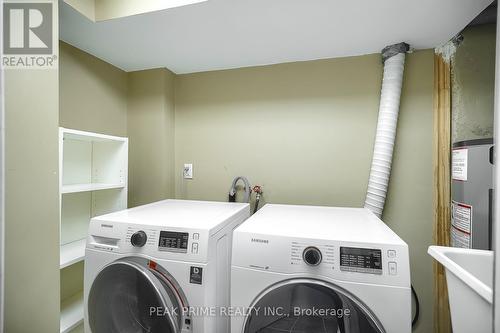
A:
<point x="469" y="275"/>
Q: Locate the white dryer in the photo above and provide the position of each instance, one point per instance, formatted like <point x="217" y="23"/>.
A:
<point x="319" y="269"/>
<point x="155" y="268"/>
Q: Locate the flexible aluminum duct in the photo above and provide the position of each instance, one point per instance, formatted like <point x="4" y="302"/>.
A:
<point x="394" y="60"/>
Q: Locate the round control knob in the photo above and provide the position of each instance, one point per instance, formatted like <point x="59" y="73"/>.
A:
<point x="312" y="256"/>
<point x="139" y="238"/>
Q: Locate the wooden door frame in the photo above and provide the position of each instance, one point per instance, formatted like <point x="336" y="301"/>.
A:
<point x="442" y="186"/>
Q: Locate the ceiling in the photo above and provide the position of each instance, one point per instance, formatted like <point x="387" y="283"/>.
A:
<point x="222" y="34"/>
<point x="487" y="16"/>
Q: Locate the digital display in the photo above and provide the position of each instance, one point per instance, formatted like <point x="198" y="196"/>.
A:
<point x="361" y="260"/>
<point x="173" y="241"/>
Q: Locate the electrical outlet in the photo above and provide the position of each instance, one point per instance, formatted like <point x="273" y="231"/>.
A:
<point x="188" y="171"/>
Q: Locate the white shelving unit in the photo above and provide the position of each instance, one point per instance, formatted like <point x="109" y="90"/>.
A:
<point x="72" y="315"/>
<point x="72" y="253"/>
<point x="75" y="188"/>
<point x="93" y="182"/>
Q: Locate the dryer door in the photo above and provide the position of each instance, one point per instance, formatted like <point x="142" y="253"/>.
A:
<point x="130" y="296"/>
<point x="309" y="306"/>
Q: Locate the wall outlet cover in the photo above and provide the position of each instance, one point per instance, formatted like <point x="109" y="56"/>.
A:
<point x="188" y="171"/>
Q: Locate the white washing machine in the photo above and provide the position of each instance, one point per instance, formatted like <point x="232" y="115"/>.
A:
<point x="157" y="268"/>
<point x="319" y="269"/>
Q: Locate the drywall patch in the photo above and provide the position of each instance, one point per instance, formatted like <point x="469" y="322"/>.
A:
<point x="458" y="117"/>
<point x="447" y="51"/>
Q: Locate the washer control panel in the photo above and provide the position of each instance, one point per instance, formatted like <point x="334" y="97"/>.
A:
<point x="172" y="241"/>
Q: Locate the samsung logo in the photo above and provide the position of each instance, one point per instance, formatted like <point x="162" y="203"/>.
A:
<point x="258" y="240"/>
<point x="107" y="225"/>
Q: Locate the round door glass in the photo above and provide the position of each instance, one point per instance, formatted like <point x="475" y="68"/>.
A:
<point x="122" y="299"/>
<point x="309" y="307"/>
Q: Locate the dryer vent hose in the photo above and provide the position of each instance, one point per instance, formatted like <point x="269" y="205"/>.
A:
<point x="393" y="57"/>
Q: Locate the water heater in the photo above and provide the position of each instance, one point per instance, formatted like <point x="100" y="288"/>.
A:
<point x="472" y="194"/>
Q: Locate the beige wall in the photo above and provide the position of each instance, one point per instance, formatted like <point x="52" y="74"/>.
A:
<point x="409" y="204"/>
<point x="151" y="136"/>
<point x="32" y="201"/>
<point x="93" y="93"/>
<point x="473" y="82"/>
<point x="293" y="128"/>
<point x="305" y="132"/>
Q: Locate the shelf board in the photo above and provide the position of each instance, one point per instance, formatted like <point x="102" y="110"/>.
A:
<point x="89" y="136"/>
<point x="71" y="312"/>
<point x="75" y="188"/>
<point x="72" y="253"/>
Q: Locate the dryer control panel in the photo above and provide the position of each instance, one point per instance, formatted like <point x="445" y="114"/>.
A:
<point x="361" y="260"/>
<point x="300" y="250"/>
<point x="348" y="261"/>
<point x="166" y="240"/>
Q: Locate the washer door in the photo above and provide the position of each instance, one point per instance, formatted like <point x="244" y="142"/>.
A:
<point x="309" y="306"/>
<point x="126" y="297"/>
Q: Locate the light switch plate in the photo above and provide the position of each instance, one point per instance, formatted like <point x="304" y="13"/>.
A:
<point x="188" y="171"/>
